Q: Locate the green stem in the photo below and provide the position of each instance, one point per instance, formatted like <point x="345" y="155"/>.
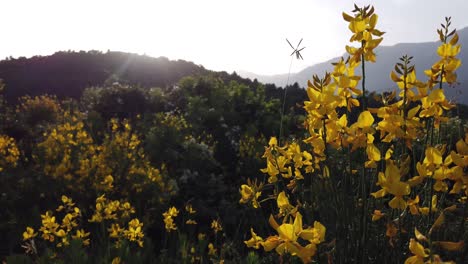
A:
<point x="284" y="104"/>
<point x="363" y="67"/>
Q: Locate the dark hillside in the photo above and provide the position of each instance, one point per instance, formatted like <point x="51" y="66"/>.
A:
<point x="67" y="74"/>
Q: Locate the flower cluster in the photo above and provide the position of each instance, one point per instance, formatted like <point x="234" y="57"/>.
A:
<point x="169" y="216"/>
<point x="292" y="238"/>
<point x="69" y="153"/>
<point x="250" y="192"/>
<point x="362" y="24"/>
<point x="9" y="153"/>
<point x="61" y="233"/>
<point x="288" y="162"/>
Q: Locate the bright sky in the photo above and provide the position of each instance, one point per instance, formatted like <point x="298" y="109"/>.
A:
<point x="225" y="35"/>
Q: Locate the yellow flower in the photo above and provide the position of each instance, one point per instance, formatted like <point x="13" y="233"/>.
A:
<point x="273" y="142"/>
<point x="272" y="171"/>
<point x="61" y="233"/>
<point x="390" y="183"/>
<point x="49" y="227"/>
<point x="365" y="120"/>
<point x="391" y="232"/>
<point x="201" y="236"/>
<point x="173" y="212"/>
<point x="191" y="222"/>
<point x="134" y="232"/>
<point x="81" y="234"/>
<point x="362" y="25"/>
<point x="107" y="182"/>
<point x="286" y="241"/>
<point x="216" y="226"/>
<point x="251" y="192"/>
<point x="418" y="251"/>
<point x="413" y="205"/>
<point x="190" y="209"/>
<point x="283" y="203"/>
<point x="425" y="210"/>
<point x="377" y="215"/>
<point x="9" y="153"/>
<point x="115" y="230"/>
<point x="29" y="233"/>
<point x="169" y="218"/>
<point x="255" y="241"/>
<point x="67" y="201"/>
<point x="211" y="250"/>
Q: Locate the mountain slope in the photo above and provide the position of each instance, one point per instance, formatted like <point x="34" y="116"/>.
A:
<point x="377" y="74"/>
<point x="67" y="74"/>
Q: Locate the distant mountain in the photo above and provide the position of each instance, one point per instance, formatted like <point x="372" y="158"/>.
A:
<point x="67" y="74"/>
<point x="377" y="74"/>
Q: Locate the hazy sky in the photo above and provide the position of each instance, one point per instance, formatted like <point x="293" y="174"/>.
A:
<point x="221" y="35"/>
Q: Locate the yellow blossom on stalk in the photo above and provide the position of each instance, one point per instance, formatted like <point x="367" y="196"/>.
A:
<point x="115" y="231"/>
<point x="390" y="183"/>
<point x="391" y="232"/>
<point x="107" y="182"/>
<point x="250" y="192"/>
<point x="434" y="105"/>
<point x="425" y="210"/>
<point x="134" y="232"/>
<point x="211" y="250"/>
<point x="110" y="210"/>
<point x="190" y="209"/>
<point x="395" y="126"/>
<point x="377" y="215"/>
<point x="418" y="251"/>
<point x="283" y="204"/>
<point x="460" y="159"/>
<point x="322" y="99"/>
<point x="169" y="216"/>
<point x="191" y="222"/>
<point x="413" y="205"/>
<point x="272" y="172"/>
<point x="68" y="222"/>
<point x="287" y="239"/>
<point x="126" y="209"/>
<point x="287" y="161"/>
<point x="216" y="226"/>
<point x="49" y="227"/>
<point x="432" y="160"/>
<point x="255" y="241"/>
<point x="398" y="120"/>
<point x="346" y="81"/>
<point x="360" y="135"/>
<point x="373" y="153"/>
<point x="365" y="120"/>
<point x="64" y="238"/>
<point x="362" y="24"/>
<point x="201" y="236"/>
<point x="447" y="51"/>
<point x="433" y="100"/>
<point x="29" y="233"/>
<point x="323" y="123"/>
<point x="442" y="173"/>
<point x="82" y="235"/>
